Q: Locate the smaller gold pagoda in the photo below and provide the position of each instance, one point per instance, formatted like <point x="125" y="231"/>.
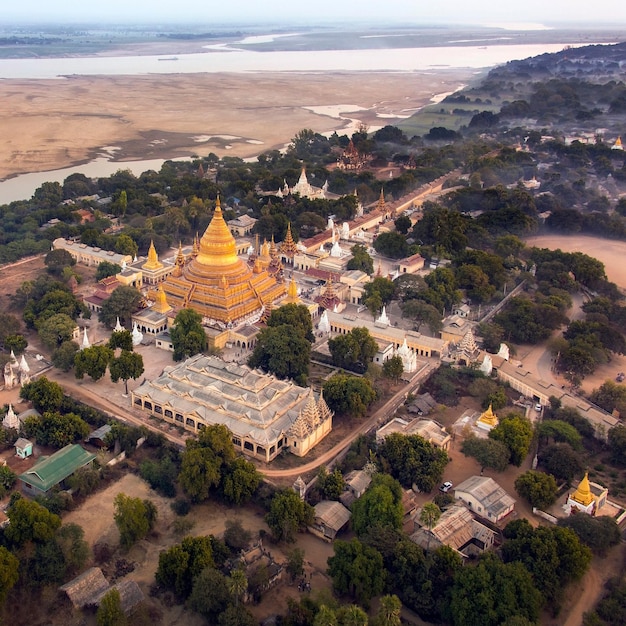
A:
<point x="161" y="305"/>
<point x="153" y="262"/>
<point x="288" y="246"/>
<point x="292" y="293"/>
<point x="583" y="494"/>
<point x="488" y="419"/>
<point x="153" y="271"/>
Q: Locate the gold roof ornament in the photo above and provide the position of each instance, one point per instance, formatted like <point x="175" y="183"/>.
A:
<point x="217" y="246"/>
<point x="489" y="417"/>
<point x="180" y="257"/>
<point x="292" y="293"/>
<point x="161" y="305"/>
<point x="288" y="246"/>
<point x="196" y="246"/>
<point x="583" y="494"/>
<point x="153" y="262"/>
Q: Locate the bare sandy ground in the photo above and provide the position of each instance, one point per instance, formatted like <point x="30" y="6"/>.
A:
<point x="50" y="124"/>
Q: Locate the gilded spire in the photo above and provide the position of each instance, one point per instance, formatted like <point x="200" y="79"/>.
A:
<point x="288" y="246"/>
<point x="583" y="494"/>
<point x="217" y="246"/>
<point x="161" y="305"/>
<point x="292" y="293"/>
<point x="196" y="246"/>
<point x="180" y="257"/>
<point x="489" y="418"/>
<point x="381" y="201"/>
<point x="153" y="262"/>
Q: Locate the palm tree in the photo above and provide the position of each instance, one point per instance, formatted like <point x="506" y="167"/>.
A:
<point x="237" y="584"/>
<point x="325" y="617"/>
<point x="353" y="615"/>
<point x="429" y="517"/>
<point x="389" y="612"/>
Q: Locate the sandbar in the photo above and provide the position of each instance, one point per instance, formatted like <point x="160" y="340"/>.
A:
<point x="52" y="124"/>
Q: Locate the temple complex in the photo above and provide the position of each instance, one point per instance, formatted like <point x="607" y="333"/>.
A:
<point x="587" y="498"/>
<point x="218" y="284"/>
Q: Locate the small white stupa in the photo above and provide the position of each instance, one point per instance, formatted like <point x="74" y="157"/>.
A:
<point x="123" y="265"/>
<point x="324" y="324"/>
<point x="13" y="358"/>
<point x="486" y="366"/>
<point x="86" y="343"/>
<point x="336" y="250"/>
<point x="504" y="351"/>
<point x="118" y="327"/>
<point x="23" y="365"/>
<point x="330" y="225"/>
<point x="345" y="230"/>
<point x="137" y="335"/>
<point x="10" y="419"/>
<point x="408" y="356"/>
<point x="382" y="318"/>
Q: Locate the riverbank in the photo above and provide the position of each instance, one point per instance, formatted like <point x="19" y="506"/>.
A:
<point x="52" y="124"/>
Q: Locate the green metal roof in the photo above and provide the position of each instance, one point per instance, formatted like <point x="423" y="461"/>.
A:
<point x="50" y="471"/>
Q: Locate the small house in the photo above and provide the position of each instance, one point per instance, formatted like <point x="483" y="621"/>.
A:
<point x="356" y="483"/>
<point x="23" y="448"/>
<point x="98" y="436"/>
<point x="330" y="518"/>
<point x="48" y="472"/>
<point x="485" y="497"/>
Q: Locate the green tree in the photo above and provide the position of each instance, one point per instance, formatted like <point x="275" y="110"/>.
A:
<point x="294" y="315"/>
<point x="392" y="245"/>
<point x="187" y="334"/>
<point x="29" y="521"/>
<point x="380" y="505"/>
<point x="598" y="533"/>
<point x="325" y="617"/>
<point x="423" y="313"/>
<point x="7" y="480"/>
<point x="331" y="486"/>
<point x="210" y="595"/>
<point x="134" y="518"/>
<point x="236" y="537"/>
<point x="125" y="245"/>
<point x="122" y="339"/>
<point x="383" y="286"/>
<point x="492" y="592"/>
<point x="516" y="433"/>
<point x="357" y="570"/>
<point x="127" y="365"/>
<point x="122" y="303"/>
<point x="287" y="515"/>
<point x="349" y="395"/>
<point x="393" y="368"/>
<point x="236" y="615"/>
<point x="56" y="330"/>
<point x="106" y="269"/>
<point x="237" y="584"/>
<point x="46" y="395"/>
<point x="182" y="563"/>
<point x="71" y="540"/>
<point x="389" y="612"/>
<point x="110" y="611"/>
<point x="352" y="615"/>
<point x="55" y="429"/>
<point x="63" y="357"/>
<point x="17" y="343"/>
<point x="429" y="516"/>
<point x="413" y="460"/>
<point x="561" y="460"/>
<point x="92" y="361"/>
<point x="361" y="260"/>
<point x="538" y="488"/>
<point x="295" y="563"/>
<point x="204" y="460"/>
<point x="559" y="431"/>
<point x="56" y="260"/>
<point x="617" y="444"/>
<point x="282" y="351"/>
<point x="488" y="452"/>
<point x="403" y="224"/>
<point x="354" y="350"/>
<point x="239" y="481"/>
<point x="9" y="573"/>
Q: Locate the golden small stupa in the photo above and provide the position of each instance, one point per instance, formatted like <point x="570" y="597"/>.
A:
<point x="292" y="293"/>
<point x="217" y="283"/>
<point x="583" y="494"/>
<point x="288" y="246"/>
<point x="153" y="262"/>
<point x="161" y="305"/>
<point x="488" y="419"/>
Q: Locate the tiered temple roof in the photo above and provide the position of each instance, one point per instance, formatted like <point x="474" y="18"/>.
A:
<point x="288" y="246"/>
<point x="217" y="283"/>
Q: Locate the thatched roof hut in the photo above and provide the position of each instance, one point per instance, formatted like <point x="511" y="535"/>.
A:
<point x="86" y="588"/>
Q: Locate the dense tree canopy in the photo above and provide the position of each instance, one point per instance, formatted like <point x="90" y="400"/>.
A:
<point x="349" y="395"/>
<point x="354" y="350"/>
<point x="380" y="505"/>
<point x="288" y="514"/>
<point x="187" y="335"/>
<point x="538" y="488"/>
<point x="516" y="432"/>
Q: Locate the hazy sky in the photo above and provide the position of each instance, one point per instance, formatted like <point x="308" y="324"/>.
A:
<point x="405" y="11"/>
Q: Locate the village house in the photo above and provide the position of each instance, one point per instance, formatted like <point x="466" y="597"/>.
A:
<point x="330" y="518"/>
<point x="485" y="497"/>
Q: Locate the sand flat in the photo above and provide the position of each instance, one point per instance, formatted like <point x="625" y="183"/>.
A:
<point x="50" y="124"/>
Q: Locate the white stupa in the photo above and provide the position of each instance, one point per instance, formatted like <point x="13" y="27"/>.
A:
<point x="504" y="351"/>
<point x="336" y="250"/>
<point x="23" y="365"/>
<point x="10" y="419"/>
<point x="408" y="356"/>
<point x="382" y="318"/>
<point x="324" y="324"/>
<point x="487" y="365"/>
<point x="345" y="230"/>
<point x="330" y="225"/>
<point x="86" y="343"/>
<point x="137" y="335"/>
<point x="13" y="358"/>
<point x="118" y="327"/>
<point x="123" y="265"/>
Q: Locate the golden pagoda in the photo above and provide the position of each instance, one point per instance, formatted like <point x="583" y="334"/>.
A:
<point x="217" y="283"/>
<point x="583" y="494"/>
<point x="292" y="293"/>
<point x="380" y="205"/>
<point x="161" y="305"/>
<point x="288" y="246"/>
<point x="153" y="262"/>
<point x="488" y="419"/>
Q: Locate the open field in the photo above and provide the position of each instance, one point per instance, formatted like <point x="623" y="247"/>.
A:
<point x="50" y="124"/>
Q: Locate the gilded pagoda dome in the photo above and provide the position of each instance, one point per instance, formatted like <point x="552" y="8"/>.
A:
<point x="217" y="246"/>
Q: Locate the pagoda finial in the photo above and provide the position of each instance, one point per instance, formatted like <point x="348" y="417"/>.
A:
<point x="218" y="205"/>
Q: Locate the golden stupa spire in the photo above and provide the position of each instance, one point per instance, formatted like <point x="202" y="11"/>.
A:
<point x="153" y="262"/>
<point x="161" y="305"/>
<point x="180" y="257"/>
<point x="489" y="417"/>
<point x="381" y="201"/>
<point x="583" y="494"/>
<point x="292" y="293"/>
<point x="217" y="246"/>
<point x="288" y="246"/>
<point x="273" y="252"/>
<point x="196" y="246"/>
